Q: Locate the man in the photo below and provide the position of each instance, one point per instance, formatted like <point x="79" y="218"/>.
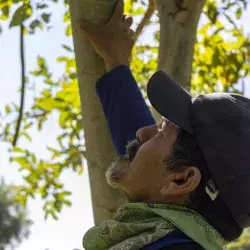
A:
<point x="186" y="183"/>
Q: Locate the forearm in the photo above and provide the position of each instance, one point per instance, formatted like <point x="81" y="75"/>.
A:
<point x="124" y="106"/>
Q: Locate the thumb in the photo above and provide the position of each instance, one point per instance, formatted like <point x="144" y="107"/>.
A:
<point x="118" y="12"/>
<point x="87" y="27"/>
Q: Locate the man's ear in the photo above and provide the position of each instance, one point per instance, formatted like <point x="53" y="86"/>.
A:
<point x="181" y="183"/>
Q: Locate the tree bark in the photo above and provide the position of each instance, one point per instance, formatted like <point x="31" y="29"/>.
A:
<point x="178" y="22"/>
<point x="178" y="19"/>
<point x="99" y="149"/>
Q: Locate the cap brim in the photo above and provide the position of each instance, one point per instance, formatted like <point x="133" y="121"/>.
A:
<point x="170" y="100"/>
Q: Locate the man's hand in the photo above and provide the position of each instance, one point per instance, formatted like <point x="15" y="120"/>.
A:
<point x="113" y="41"/>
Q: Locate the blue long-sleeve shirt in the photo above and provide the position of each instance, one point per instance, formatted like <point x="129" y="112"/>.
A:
<point x="124" y="106"/>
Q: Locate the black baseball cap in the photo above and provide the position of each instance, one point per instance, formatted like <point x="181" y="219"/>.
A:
<point x="220" y="123"/>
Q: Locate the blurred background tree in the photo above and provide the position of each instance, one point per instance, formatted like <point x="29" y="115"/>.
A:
<point x="220" y="63"/>
<point x="14" y="222"/>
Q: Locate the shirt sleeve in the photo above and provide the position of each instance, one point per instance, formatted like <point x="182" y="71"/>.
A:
<point x="123" y="105"/>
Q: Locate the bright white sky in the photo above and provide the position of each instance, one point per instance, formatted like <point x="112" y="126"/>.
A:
<point x="67" y="232"/>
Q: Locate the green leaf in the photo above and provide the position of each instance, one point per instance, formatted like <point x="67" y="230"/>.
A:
<point x="24" y="164"/>
<point x="63" y="119"/>
<point x="40" y="62"/>
<point x="39" y="125"/>
<point x="46" y="17"/>
<point x="216" y="60"/>
<point x="44" y="194"/>
<point x="27" y="136"/>
<point x="34" y="24"/>
<point x="21" y="14"/>
<point x="7" y="109"/>
<point x="5" y="12"/>
<point x="138" y="11"/>
<point x="50" y="212"/>
<point x="66" y="47"/>
<point x="18" y="150"/>
<point x="49" y="104"/>
<point x="64" y="193"/>
<point x="27" y="126"/>
<point x="42" y="6"/>
<point x="239" y="13"/>
<point x="22" y="200"/>
<point x="54" y="215"/>
<point x="68" y="203"/>
<point x="46" y="92"/>
<point x="58" y="206"/>
<point x="80" y="171"/>
<point x="68" y="30"/>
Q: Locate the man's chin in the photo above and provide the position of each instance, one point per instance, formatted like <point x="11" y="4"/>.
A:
<point x="117" y="173"/>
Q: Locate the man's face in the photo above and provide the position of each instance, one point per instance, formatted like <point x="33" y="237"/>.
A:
<point x="145" y="177"/>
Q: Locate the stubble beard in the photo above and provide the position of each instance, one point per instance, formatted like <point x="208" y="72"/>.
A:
<point x="117" y="172"/>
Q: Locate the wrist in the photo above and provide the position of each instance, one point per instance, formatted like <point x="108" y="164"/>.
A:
<point x="115" y="63"/>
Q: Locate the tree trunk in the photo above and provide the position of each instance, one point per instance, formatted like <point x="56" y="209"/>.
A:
<point x="178" y="22"/>
<point x="100" y="152"/>
<point x="178" y="19"/>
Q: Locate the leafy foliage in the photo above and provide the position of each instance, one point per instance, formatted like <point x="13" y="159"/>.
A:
<point x="222" y="55"/>
<point x="14" y="225"/>
<point x="221" y="62"/>
<point x="242" y="243"/>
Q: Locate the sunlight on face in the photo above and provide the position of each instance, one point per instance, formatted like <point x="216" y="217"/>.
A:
<point x="141" y="173"/>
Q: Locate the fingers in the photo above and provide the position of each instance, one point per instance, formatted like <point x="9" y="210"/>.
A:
<point x="87" y="27"/>
<point x="118" y="13"/>
<point x="132" y="34"/>
<point x="128" y="21"/>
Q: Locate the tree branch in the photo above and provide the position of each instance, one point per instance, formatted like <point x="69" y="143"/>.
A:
<point x="19" y="120"/>
<point x="145" y="20"/>
<point x="147" y="47"/>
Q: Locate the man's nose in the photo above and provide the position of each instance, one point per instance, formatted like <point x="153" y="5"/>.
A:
<point x="146" y="133"/>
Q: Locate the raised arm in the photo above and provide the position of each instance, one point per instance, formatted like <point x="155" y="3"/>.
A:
<point x="121" y="99"/>
<point x="124" y="106"/>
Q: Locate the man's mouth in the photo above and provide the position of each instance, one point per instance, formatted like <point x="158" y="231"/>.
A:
<point x="118" y="168"/>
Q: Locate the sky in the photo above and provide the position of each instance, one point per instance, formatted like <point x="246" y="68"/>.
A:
<point x="73" y="222"/>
